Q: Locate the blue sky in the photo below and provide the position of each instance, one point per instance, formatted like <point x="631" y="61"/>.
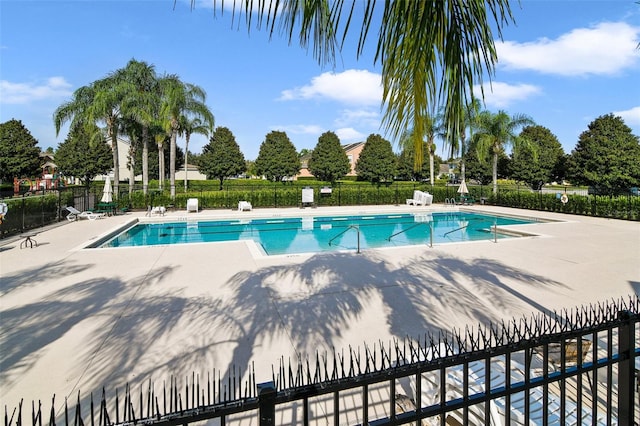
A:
<point x="563" y="63"/>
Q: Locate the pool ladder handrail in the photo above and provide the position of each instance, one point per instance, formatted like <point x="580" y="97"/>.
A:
<point x="414" y="226"/>
<point x="457" y="229"/>
<point x="348" y="227"/>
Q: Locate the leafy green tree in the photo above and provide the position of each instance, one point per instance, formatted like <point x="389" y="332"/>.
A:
<point x="19" y="153"/>
<point x="406" y="162"/>
<point x="539" y="162"/>
<point x="607" y="156"/>
<point x="377" y="163"/>
<point x="328" y="160"/>
<point x="494" y="132"/>
<point x="221" y="157"/>
<point x="304" y="151"/>
<point x="458" y="33"/>
<point x="250" y="167"/>
<point x="277" y="157"/>
<point x="83" y="155"/>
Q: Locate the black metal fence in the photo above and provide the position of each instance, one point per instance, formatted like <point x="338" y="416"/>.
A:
<point x="573" y="367"/>
<point x="42" y="208"/>
<point x="47" y="207"/>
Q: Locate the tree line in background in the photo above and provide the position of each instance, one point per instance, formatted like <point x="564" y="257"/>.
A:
<point x="606" y="156"/>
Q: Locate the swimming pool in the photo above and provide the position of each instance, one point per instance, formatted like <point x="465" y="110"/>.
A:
<point x="277" y="236"/>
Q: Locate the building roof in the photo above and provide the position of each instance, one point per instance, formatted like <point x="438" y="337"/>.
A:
<point x="351" y="146"/>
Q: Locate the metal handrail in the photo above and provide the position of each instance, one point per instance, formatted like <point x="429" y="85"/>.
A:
<point x="348" y="227"/>
<point x="415" y="225"/>
<point x="458" y="229"/>
<point x="405" y="230"/>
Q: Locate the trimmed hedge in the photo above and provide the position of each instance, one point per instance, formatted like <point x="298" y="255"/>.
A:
<point x="616" y="207"/>
<point x="35" y="211"/>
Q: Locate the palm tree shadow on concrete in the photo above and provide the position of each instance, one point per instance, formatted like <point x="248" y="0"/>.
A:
<point x="101" y="305"/>
<point x="35" y="276"/>
<point x="141" y="335"/>
<point x="312" y="304"/>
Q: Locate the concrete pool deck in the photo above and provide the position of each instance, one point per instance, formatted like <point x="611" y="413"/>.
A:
<point x="77" y="320"/>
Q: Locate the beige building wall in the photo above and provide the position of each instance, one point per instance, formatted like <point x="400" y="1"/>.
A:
<point x="352" y="150"/>
<point x="353" y="154"/>
<point x="192" y="173"/>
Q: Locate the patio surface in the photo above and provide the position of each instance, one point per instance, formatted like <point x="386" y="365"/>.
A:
<point x="75" y="319"/>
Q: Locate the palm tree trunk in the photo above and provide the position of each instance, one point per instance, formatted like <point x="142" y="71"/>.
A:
<point x="145" y="160"/>
<point x="116" y="162"/>
<point x="431" y="167"/>
<point x="172" y="164"/>
<point x="186" y="156"/>
<point x="161" y="165"/>
<point x="132" y="168"/>
<point x="495" y="173"/>
<point x="463" y="153"/>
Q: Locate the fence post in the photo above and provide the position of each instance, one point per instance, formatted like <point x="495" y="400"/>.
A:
<point x="267" y="403"/>
<point x="626" y="368"/>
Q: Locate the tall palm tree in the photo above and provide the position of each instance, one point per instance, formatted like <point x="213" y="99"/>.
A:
<point x="189" y="126"/>
<point x="180" y="99"/>
<point x="100" y="102"/>
<point x="460" y="145"/>
<point x="133" y="130"/>
<point x="160" y="136"/>
<point x="432" y="52"/>
<point x="494" y="132"/>
<point x="141" y="104"/>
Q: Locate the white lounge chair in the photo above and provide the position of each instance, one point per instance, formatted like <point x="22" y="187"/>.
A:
<point x="417" y="198"/>
<point x="75" y="214"/>
<point x="420" y="198"/>
<point x="244" y="205"/>
<point x="428" y="199"/>
<point x="159" y="210"/>
<point x="192" y="205"/>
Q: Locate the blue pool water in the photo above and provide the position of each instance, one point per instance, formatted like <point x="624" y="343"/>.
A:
<point x="322" y="233"/>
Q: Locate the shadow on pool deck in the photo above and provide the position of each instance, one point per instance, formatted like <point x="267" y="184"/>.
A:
<point x="310" y="305"/>
<point x="317" y="300"/>
<point x="82" y="320"/>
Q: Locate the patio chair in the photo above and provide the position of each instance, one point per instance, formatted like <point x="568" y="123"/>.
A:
<point x="244" y="205"/>
<point x="192" y="205"/>
<point x="75" y="214"/>
<point x="416" y="200"/>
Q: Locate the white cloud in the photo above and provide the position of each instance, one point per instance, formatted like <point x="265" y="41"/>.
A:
<point x="353" y="87"/>
<point x="606" y="48"/>
<point x="300" y="129"/>
<point x="498" y="94"/>
<point x="362" y="117"/>
<point x="348" y="134"/>
<point x="630" y="116"/>
<point x="24" y="93"/>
